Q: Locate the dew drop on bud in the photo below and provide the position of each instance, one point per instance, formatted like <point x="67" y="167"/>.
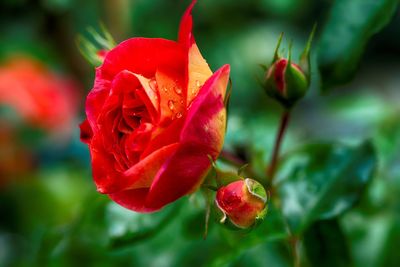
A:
<point x="171" y="104"/>
<point x="178" y="115"/>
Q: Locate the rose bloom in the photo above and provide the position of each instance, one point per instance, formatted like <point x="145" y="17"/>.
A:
<point x="155" y="115"/>
<point x="40" y="97"/>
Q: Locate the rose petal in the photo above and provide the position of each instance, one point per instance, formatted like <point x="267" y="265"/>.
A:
<point x="106" y="94"/>
<point x="143" y="56"/>
<point x="96" y="98"/>
<point x="164" y="136"/>
<point x="86" y="132"/>
<point x="109" y="180"/>
<point x="149" y="96"/>
<point x="202" y="135"/>
<point x="206" y="118"/>
<point x="104" y="171"/>
<point x="107" y="119"/>
<point x="136" y="141"/>
<point x="140" y="176"/>
<point x="185" y="28"/>
<point x="180" y="175"/>
<point x="143" y="173"/>
<point x="172" y="105"/>
<point x="198" y="70"/>
<point x="133" y="199"/>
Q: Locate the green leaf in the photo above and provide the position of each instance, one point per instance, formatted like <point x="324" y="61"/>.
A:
<point x="127" y="228"/>
<point x="349" y="27"/>
<point x="321" y="181"/>
<point x="271" y="230"/>
<point x="387" y="141"/>
<point x="325" y="245"/>
<point x="390" y="253"/>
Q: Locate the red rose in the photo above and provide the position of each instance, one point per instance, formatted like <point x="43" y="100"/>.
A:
<point x="155" y="114"/>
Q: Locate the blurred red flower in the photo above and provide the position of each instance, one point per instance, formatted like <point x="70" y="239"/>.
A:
<point x="154" y="116"/>
<point x="39" y="96"/>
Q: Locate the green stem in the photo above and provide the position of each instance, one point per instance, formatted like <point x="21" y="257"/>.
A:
<point x="278" y="142"/>
<point x="271" y="169"/>
<point x="296" y="253"/>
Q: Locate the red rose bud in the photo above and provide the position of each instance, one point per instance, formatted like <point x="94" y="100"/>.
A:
<point x="242" y="203"/>
<point x="155" y="115"/>
<point x="286" y="81"/>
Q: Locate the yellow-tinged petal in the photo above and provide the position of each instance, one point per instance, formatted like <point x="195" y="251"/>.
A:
<point x="198" y="72"/>
<point x="172" y="104"/>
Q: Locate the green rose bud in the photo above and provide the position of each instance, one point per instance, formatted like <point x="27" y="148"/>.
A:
<point x="285" y="81"/>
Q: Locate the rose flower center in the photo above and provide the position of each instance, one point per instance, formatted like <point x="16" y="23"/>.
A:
<point x="137" y="110"/>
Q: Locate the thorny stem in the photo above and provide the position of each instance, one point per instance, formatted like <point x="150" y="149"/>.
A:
<point x="278" y="142"/>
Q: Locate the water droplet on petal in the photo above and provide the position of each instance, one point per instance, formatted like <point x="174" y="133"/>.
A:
<point x="153" y="84"/>
<point x="171" y="104"/>
<point x="178" y="115"/>
<point x="165" y="89"/>
<point x="198" y="83"/>
<point x="178" y="90"/>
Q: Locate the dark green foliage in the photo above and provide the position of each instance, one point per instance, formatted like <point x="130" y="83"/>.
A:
<point x="350" y="25"/>
<point x="326" y="245"/>
<point x="323" y="181"/>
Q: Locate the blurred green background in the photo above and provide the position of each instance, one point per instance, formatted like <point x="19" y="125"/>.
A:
<point x="51" y="214"/>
